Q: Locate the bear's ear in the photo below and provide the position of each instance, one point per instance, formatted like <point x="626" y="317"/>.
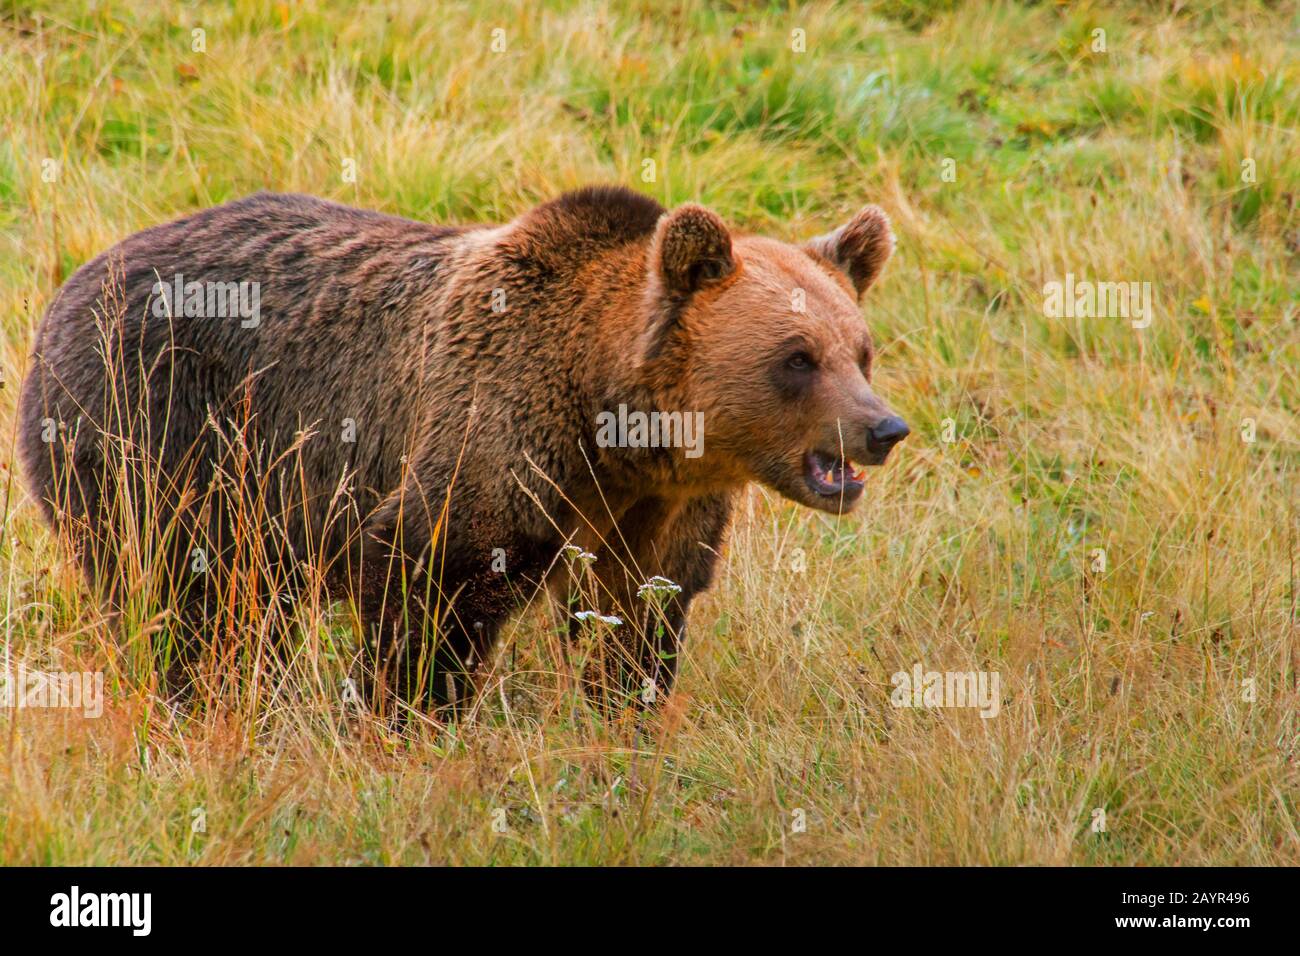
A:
<point x="690" y="251"/>
<point x="859" y="248"/>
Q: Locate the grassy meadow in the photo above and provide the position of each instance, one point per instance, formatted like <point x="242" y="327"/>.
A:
<point x="1105" y="516"/>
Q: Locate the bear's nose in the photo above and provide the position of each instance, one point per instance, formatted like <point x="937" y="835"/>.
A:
<point x="887" y="434"/>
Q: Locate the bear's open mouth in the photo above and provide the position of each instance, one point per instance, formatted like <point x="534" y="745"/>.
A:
<point x="832" y="476"/>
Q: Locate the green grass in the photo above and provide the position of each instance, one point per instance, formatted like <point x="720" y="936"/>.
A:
<point x="1123" y="687"/>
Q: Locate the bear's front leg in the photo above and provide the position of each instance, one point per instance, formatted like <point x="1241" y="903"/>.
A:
<point x="418" y="650"/>
<point x="431" y="613"/>
<point x="661" y="556"/>
<point x="410" y="657"/>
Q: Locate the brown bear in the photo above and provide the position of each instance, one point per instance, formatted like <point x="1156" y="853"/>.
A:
<point x="459" y="405"/>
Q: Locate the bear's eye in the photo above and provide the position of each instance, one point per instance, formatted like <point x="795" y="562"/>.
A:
<point x="799" y="362"/>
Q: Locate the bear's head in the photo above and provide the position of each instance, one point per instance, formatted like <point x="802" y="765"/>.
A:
<point x="767" y="340"/>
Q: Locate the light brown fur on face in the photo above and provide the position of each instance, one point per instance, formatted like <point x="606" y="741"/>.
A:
<point x="765" y="419"/>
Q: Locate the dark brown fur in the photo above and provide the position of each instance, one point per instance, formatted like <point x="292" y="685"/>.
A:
<point x="484" y="417"/>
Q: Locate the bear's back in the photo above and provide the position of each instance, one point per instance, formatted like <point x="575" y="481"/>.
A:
<point x="333" y="288"/>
